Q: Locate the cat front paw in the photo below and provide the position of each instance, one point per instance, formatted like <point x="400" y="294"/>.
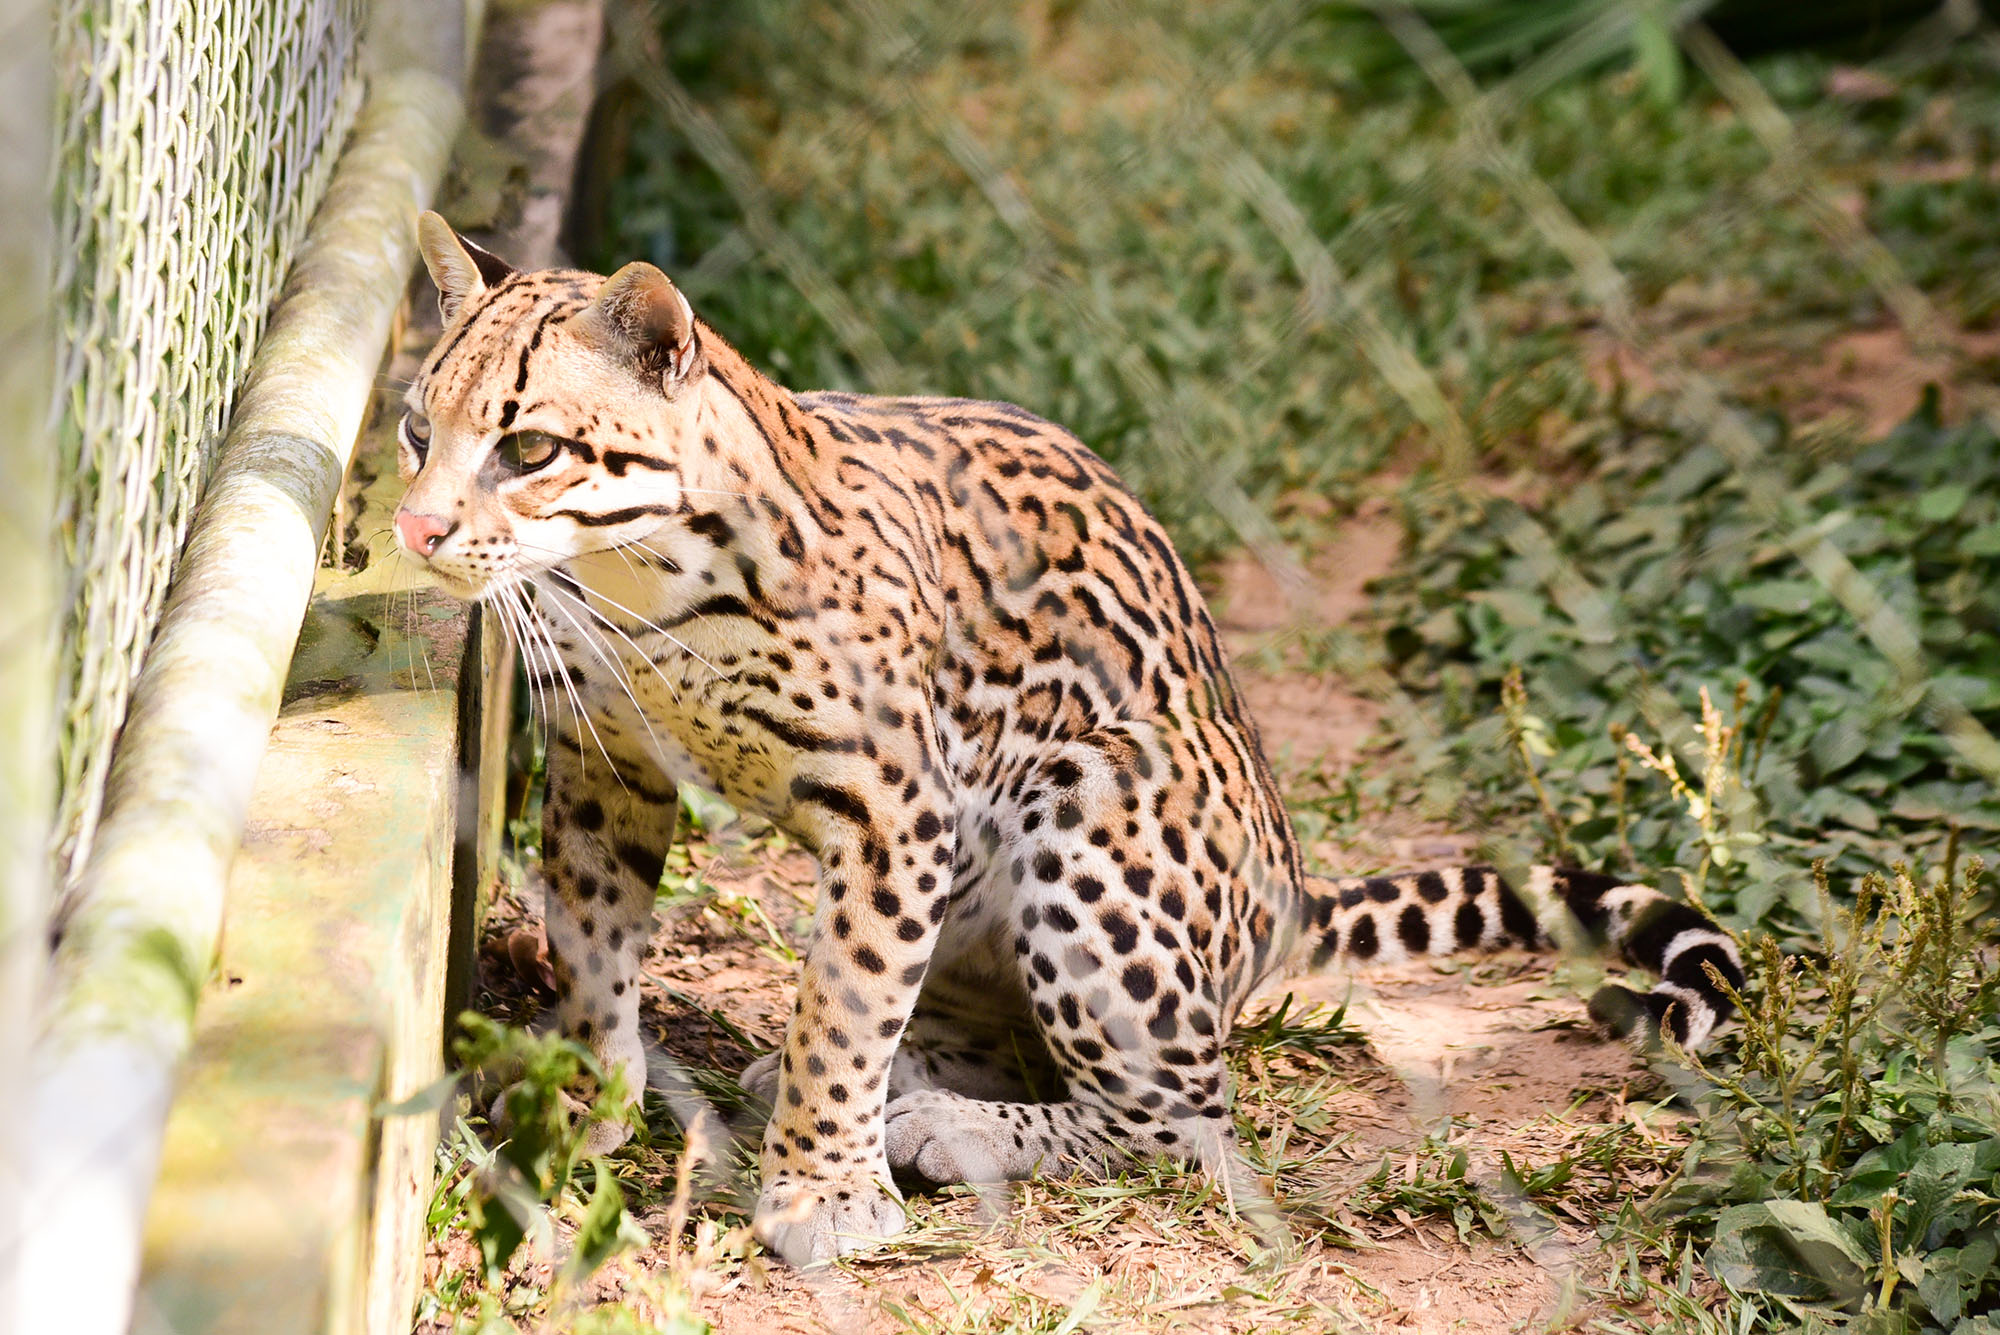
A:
<point x="810" y="1220"/>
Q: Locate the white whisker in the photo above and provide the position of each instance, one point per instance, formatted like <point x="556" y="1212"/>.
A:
<point x="701" y="618"/>
<point x="422" y="643"/>
<point x="530" y="666"/>
<point x="601" y="618"/>
<point x="577" y="703"/>
<point x="642" y="545"/>
<point x="661" y="631"/>
<point x="608" y="656"/>
<point x="537" y="691"/>
<point x="555" y="672"/>
<point x="535" y="629"/>
<point x="619" y="630"/>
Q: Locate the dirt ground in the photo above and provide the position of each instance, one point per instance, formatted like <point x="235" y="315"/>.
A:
<point x="1490" y="1055"/>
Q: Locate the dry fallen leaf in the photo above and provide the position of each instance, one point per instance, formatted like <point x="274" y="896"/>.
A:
<point x="528" y="951"/>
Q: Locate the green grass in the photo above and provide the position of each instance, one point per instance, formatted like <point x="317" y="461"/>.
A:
<point x="1258" y="265"/>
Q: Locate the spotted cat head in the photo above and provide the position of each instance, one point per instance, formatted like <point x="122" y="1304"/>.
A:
<point x="550" y="420"/>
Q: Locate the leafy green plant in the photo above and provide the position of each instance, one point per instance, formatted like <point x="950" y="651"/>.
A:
<point x="1722" y="808"/>
<point x="1845" y="1169"/>
<point x="1313" y="1031"/>
<point x="1438" y="1178"/>
<point x="1830" y="751"/>
<point x="1435" y="1180"/>
<point x="1848" y="1162"/>
<point x="512" y="1190"/>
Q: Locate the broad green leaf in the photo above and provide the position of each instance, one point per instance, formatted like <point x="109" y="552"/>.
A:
<point x="1848" y="809"/>
<point x="1981" y="541"/>
<point x="606" y="1229"/>
<point x="500" y="1212"/>
<point x="1795" y="596"/>
<point x="1786" y="1247"/>
<point x="1941" y="503"/>
<point x="1838" y="744"/>
<point x="1952" y="1275"/>
<point x="1937" y="1176"/>
<point x="1885" y="1321"/>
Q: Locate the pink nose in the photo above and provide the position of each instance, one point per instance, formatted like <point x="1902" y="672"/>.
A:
<point x="421" y="533"/>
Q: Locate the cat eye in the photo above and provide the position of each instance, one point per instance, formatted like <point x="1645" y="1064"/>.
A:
<point x="417" y="432"/>
<point x="525" y="451"/>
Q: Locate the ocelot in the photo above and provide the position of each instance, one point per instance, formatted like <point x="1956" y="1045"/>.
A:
<point x="938" y="642"/>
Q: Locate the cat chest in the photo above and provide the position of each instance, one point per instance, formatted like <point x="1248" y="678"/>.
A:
<point x="734" y="731"/>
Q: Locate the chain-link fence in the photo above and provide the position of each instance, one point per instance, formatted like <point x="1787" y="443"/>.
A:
<point x="232" y="203"/>
<point x="195" y="139"/>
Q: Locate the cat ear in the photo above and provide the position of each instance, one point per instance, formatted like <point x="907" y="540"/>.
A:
<point x="460" y="269"/>
<point x="639" y="316"/>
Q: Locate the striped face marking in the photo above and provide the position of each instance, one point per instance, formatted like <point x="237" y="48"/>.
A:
<point x="552" y="419"/>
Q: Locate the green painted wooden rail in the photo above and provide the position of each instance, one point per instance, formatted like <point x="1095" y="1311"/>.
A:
<point x="286" y="1184"/>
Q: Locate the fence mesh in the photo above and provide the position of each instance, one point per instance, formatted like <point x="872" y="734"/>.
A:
<point x="194" y="139"/>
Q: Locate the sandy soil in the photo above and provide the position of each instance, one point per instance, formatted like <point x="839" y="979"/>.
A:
<point x="1308" y="721"/>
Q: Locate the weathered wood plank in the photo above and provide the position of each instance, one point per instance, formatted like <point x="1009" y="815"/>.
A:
<point x="286" y="1203"/>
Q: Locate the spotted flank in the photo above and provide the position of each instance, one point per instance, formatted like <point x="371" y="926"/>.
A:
<point x="1364" y="919"/>
<point x="939" y="644"/>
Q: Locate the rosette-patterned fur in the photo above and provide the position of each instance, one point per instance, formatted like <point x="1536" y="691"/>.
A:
<point x="938" y="642"/>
